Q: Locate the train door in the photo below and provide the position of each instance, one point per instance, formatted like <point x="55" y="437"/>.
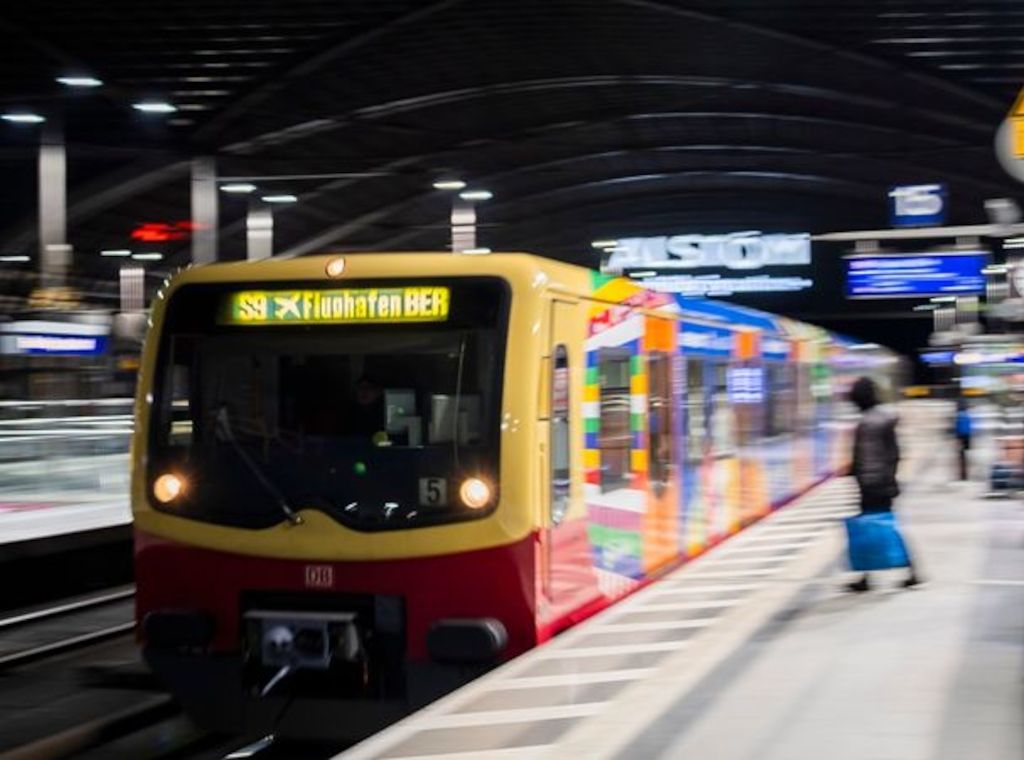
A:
<point x="722" y="461"/>
<point x="696" y="444"/>
<point x="660" y="525"/>
<point x="566" y="564"/>
<point x="805" y="419"/>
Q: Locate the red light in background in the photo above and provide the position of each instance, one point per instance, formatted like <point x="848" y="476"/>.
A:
<point x="163" y="232"/>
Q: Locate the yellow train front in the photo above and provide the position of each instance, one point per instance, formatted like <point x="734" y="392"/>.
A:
<point x="360" y="481"/>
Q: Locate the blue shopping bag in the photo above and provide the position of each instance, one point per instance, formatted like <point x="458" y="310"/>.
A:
<point x="875" y="542"/>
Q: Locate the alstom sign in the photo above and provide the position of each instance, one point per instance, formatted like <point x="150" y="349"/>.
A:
<point x="736" y="251"/>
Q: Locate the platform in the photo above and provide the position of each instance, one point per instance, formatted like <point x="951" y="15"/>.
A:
<point x="62" y="496"/>
<point x="63" y="469"/>
<point x="755" y="650"/>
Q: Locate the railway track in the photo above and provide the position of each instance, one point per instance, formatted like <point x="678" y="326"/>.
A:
<point x="104" y="705"/>
<point x="39" y="633"/>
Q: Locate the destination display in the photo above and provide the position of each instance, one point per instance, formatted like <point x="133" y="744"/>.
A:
<point x="338" y="306"/>
<point x="915" y="275"/>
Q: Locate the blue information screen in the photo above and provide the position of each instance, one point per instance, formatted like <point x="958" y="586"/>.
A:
<point x="915" y="275"/>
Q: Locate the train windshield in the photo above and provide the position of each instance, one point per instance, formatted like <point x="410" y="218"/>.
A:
<point x="378" y="404"/>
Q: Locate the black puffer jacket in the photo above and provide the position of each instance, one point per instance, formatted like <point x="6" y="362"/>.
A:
<point x="876" y="455"/>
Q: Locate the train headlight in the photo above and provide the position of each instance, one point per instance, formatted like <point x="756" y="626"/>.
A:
<point x="475" y="493"/>
<point x="168" y="487"/>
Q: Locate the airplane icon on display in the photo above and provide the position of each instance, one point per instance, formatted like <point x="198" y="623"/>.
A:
<point x="287" y="306"/>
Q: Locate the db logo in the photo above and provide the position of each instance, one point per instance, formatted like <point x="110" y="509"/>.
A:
<point x="319" y="576"/>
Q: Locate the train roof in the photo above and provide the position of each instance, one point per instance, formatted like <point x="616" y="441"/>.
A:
<point x="439" y="262"/>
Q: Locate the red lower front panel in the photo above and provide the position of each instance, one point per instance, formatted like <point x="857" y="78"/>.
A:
<point x="496" y="583"/>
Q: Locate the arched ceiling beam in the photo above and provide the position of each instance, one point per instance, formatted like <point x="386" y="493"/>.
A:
<point x="819" y="48"/>
<point x="344" y="47"/>
<point x="352" y="226"/>
<point x="769" y="119"/>
<point x="99" y="197"/>
<point x="922" y="171"/>
<point x="322" y="125"/>
<point x="341" y="231"/>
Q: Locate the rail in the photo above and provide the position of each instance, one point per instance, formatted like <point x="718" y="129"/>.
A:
<point x="55" y="630"/>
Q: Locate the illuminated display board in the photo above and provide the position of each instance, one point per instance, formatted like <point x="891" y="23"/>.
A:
<point x="736" y="251"/>
<point x="338" y="306"/>
<point x="51" y="338"/>
<point x="915" y="275"/>
<point x="714" y="265"/>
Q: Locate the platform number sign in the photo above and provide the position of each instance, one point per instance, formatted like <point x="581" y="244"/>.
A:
<point x="433" y="492"/>
<point x="917" y="205"/>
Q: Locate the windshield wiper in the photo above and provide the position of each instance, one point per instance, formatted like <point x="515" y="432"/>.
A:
<point x="224" y="423"/>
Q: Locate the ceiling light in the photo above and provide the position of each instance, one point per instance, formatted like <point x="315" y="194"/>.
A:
<point x="23" y="118"/>
<point x="238" y="187"/>
<point x="279" y="198"/>
<point x="154" y="106"/>
<point x="476" y="251"/>
<point x="15" y="258"/>
<point x="116" y="253"/>
<point x="604" y="243"/>
<point x="449" y="184"/>
<point x="476" y="195"/>
<point x="80" y="81"/>
<point x="151" y="256"/>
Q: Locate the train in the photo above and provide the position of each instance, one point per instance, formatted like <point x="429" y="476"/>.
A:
<point x="361" y="480"/>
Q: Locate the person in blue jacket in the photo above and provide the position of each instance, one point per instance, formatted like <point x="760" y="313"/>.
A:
<point x="876" y="455"/>
<point x="962" y="430"/>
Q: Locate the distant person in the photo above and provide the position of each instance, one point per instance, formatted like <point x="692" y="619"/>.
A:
<point x="366" y="412"/>
<point x="962" y="429"/>
<point x="876" y="455"/>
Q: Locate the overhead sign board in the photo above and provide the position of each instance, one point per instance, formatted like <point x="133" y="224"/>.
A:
<point x="341" y="306"/>
<point x="917" y="205"/>
<point x="734" y="251"/>
<point x="915" y="275"/>
<point x="713" y="265"/>
<point x="51" y="338"/>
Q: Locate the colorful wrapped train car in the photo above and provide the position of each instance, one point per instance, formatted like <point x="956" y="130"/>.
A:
<point x="360" y="480"/>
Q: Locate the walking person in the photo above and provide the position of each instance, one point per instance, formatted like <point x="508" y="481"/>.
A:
<point x="876" y="455"/>
<point x="962" y="428"/>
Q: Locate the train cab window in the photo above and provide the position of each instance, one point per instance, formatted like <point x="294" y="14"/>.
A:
<point x="560" y="444"/>
<point x="380" y="426"/>
<point x="616" y="436"/>
<point x="659" y="416"/>
<point x="696" y="413"/>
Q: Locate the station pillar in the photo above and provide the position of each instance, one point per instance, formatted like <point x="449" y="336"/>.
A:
<point x="54" y="251"/>
<point x="204" y="210"/>
<point x="259" y="231"/>
<point x="463" y="225"/>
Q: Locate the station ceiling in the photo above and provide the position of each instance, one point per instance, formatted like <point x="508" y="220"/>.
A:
<point x="586" y="119"/>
